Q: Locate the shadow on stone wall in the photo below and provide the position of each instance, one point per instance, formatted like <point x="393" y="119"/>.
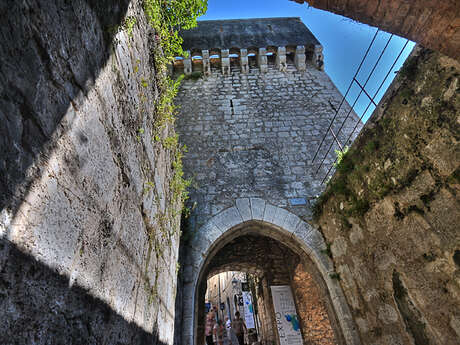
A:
<point x="51" y="55"/>
<point x="44" y="310"/>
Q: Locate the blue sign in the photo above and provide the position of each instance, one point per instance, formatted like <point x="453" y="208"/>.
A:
<point x="207" y="307"/>
<point x="297" y="201"/>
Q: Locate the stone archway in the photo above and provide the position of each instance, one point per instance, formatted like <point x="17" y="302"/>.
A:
<point x="280" y="225"/>
<point x="268" y="262"/>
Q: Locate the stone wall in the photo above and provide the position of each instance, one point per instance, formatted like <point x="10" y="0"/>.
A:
<point x="391" y="214"/>
<point x="433" y="24"/>
<point x="255" y="134"/>
<point x="311" y="308"/>
<point x="89" y="237"/>
<point x="252" y="126"/>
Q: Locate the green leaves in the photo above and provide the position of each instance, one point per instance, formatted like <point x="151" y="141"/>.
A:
<point x="168" y="17"/>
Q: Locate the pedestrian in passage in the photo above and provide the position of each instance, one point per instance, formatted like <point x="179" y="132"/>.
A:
<point x="239" y="327"/>
<point x="219" y="331"/>
<point x="228" y="326"/>
<point x="209" y="328"/>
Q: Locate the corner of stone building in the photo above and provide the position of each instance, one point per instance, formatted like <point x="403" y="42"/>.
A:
<point x="390" y="214"/>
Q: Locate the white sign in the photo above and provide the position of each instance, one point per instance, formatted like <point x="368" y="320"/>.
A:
<point x="248" y="310"/>
<point x="286" y="317"/>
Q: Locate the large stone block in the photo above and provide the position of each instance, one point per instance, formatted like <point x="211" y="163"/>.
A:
<point x="291" y="222"/>
<point x="244" y="208"/>
<point x="269" y="213"/>
<point x="227" y="219"/>
<point x="279" y="218"/>
<point x="422" y="185"/>
<point x="311" y="237"/>
<point x="444" y="152"/>
<point x="208" y="233"/>
<point x="258" y="208"/>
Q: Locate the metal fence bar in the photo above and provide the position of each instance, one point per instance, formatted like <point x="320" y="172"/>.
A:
<point x="378" y="90"/>
<point x="365" y="92"/>
<point x="372" y="100"/>
<point x="336" y="139"/>
<point x="346" y="93"/>
<point x="356" y="100"/>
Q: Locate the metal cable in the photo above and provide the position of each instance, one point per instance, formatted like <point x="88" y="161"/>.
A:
<point x="346" y="93"/>
<point x="371" y="101"/>
<point x="378" y="90"/>
<point x="356" y="100"/>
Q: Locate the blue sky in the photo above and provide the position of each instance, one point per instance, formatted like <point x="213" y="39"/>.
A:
<point x="344" y="43"/>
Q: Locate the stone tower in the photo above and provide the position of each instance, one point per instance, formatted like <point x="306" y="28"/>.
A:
<point x="254" y="106"/>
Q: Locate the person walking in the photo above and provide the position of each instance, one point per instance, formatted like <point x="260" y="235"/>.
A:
<point x="209" y="328"/>
<point x="219" y="331"/>
<point x="239" y="327"/>
<point x="228" y="326"/>
<point x="228" y="330"/>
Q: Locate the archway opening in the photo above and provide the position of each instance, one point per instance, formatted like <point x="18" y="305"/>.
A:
<point x="257" y="265"/>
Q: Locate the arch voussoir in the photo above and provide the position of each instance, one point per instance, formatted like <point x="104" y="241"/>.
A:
<point x="291" y="222"/>
<point x="227" y="219"/>
<point x="209" y="231"/>
<point x="310" y="236"/>
<point x="257" y="208"/>
<point x="280" y="216"/>
<point x="244" y="208"/>
<point x="269" y="213"/>
<point x="195" y="257"/>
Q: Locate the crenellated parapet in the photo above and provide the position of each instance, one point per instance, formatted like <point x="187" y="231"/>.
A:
<point x="261" y="58"/>
<point x="220" y="45"/>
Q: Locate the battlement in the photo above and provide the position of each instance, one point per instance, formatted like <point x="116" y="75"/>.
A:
<point x="248" y="42"/>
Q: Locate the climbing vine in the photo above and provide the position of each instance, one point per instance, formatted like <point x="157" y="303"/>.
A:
<point x="167" y="18"/>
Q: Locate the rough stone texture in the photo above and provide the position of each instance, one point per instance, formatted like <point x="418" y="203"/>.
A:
<point x="392" y="212"/>
<point x="76" y="262"/>
<point x="433" y="24"/>
<point x="254" y="135"/>
<point x="255" y="254"/>
<point x="251" y="136"/>
<point x="316" y="327"/>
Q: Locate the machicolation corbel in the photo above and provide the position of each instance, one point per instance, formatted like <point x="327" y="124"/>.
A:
<point x="225" y="61"/>
<point x="318" y="57"/>
<point x="299" y="58"/>
<point x="281" y="63"/>
<point x="206" y="63"/>
<point x="262" y="60"/>
<point x="188" y="63"/>
<point x="244" y="61"/>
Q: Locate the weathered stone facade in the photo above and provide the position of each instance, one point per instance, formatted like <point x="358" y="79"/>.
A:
<point x="251" y="125"/>
<point x="392" y="213"/>
<point x="88" y="241"/>
<point x="81" y="187"/>
<point x="255" y="134"/>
